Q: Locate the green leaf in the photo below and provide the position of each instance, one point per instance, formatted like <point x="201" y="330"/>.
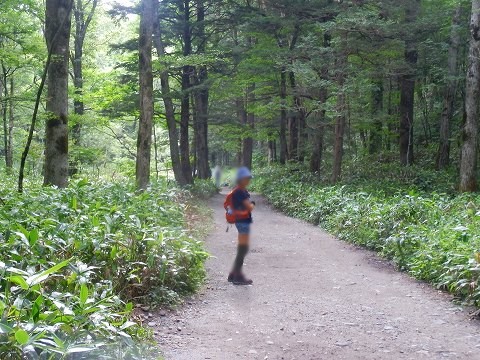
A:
<point x="127" y="325"/>
<point x="22" y="336"/>
<point x="82" y="182"/>
<point x="33" y="237"/>
<point x="23" y="237"/>
<point x="83" y="294"/>
<point x="36" y="308"/>
<point x="16" y="271"/>
<point x="5" y="328"/>
<point x="113" y="252"/>
<point x="17" y="279"/>
<point x="73" y="203"/>
<point x="40" y="277"/>
<point x="63" y="308"/>
<point x="128" y="307"/>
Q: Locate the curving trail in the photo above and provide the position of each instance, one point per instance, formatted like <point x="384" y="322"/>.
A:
<point x="314" y="298"/>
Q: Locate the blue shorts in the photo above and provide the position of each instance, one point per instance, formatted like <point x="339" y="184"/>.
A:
<point x="243" y="227"/>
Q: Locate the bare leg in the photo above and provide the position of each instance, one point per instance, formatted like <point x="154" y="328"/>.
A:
<point x="244" y="239"/>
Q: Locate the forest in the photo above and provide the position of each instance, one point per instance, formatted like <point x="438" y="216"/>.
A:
<point x="361" y="116"/>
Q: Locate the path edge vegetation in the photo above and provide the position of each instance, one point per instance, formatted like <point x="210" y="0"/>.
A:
<point x="76" y="262"/>
<point x="431" y="235"/>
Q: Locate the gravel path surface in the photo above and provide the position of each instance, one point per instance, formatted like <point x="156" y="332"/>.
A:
<point x="314" y="297"/>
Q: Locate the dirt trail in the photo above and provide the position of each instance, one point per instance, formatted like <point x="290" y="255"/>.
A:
<point x="314" y="297"/>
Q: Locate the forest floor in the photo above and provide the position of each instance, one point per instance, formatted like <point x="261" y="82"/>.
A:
<point x="314" y="297"/>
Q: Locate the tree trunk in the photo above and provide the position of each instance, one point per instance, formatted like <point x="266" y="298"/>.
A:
<point x="339" y="124"/>
<point x="33" y="120"/>
<point x="247" y="144"/>
<point x="341" y="110"/>
<point x="242" y="119"/>
<point x="407" y="88"/>
<point x="443" y="154"/>
<point x="81" y="25"/>
<point x="297" y="123"/>
<point x="57" y="34"/>
<point x="201" y="100"/>
<point x="390" y="111"/>
<point x="201" y="127"/>
<point x="293" y="124"/>
<point x="185" y="101"/>
<point x="375" y="144"/>
<point x="144" y="139"/>
<point x="468" y="162"/>
<point x="319" y="135"/>
<point x="272" y="152"/>
<point x="155" y="152"/>
<point x="239" y="157"/>
<point x="283" y="117"/>
<point x="302" y="134"/>
<point x="184" y="128"/>
<point x="4" y="111"/>
<point x="7" y="107"/>
<point x="77" y="65"/>
<point x="274" y="148"/>
<point x="193" y="143"/>
<point x="317" y="153"/>
<point x="240" y="105"/>
<point x="11" y="120"/>
<point x="172" y="130"/>
<point x="168" y="102"/>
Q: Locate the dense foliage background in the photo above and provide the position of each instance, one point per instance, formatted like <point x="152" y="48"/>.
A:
<point x="320" y="82"/>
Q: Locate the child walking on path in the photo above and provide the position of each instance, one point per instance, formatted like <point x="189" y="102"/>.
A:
<point x="242" y="207"/>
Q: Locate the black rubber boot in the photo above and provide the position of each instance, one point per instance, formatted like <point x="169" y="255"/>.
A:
<point x="240" y="279"/>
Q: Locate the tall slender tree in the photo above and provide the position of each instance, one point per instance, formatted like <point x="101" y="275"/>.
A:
<point x="187" y="72"/>
<point x="83" y="13"/>
<point x="319" y="133"/>
<point x="57" y="35"/>
<point x="443" y="154"/>
<point x="168" y="102"/>
<point x="11" y="121"/>
<point x="247" y="143"/>
<point x="375" y="141"/>
<point x="144" y="140"/>
<point x="407" y="84"/>
<point x="468" y="162"/>
<point x="283" y="116"/>
<point x="341" y="106"/>
<point x="319" y="130"/>
<point x="4" y="110"/>
<point x="340" y="120"/>
<point x="296" y="118"/>
<point x="201" y="98"/>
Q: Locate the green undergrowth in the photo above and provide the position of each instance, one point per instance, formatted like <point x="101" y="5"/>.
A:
<point x="433" y="236"/>
<point x="73" y="263"/>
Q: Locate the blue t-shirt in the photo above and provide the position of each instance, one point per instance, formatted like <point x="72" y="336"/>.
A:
<point x="238" y="199"/>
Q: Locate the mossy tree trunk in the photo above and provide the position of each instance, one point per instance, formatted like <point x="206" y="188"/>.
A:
<point x="144" y="140"/>
<point x="468" y="163"/>
<point x="57" y="35"/>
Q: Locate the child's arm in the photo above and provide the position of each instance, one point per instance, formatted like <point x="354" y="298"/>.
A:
<point x="249" y="205"/>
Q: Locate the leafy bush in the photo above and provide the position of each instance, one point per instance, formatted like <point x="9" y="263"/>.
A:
<point x="72" y="261"/>
<point x="434" y="237"/>
<point x="203" y="189"/>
